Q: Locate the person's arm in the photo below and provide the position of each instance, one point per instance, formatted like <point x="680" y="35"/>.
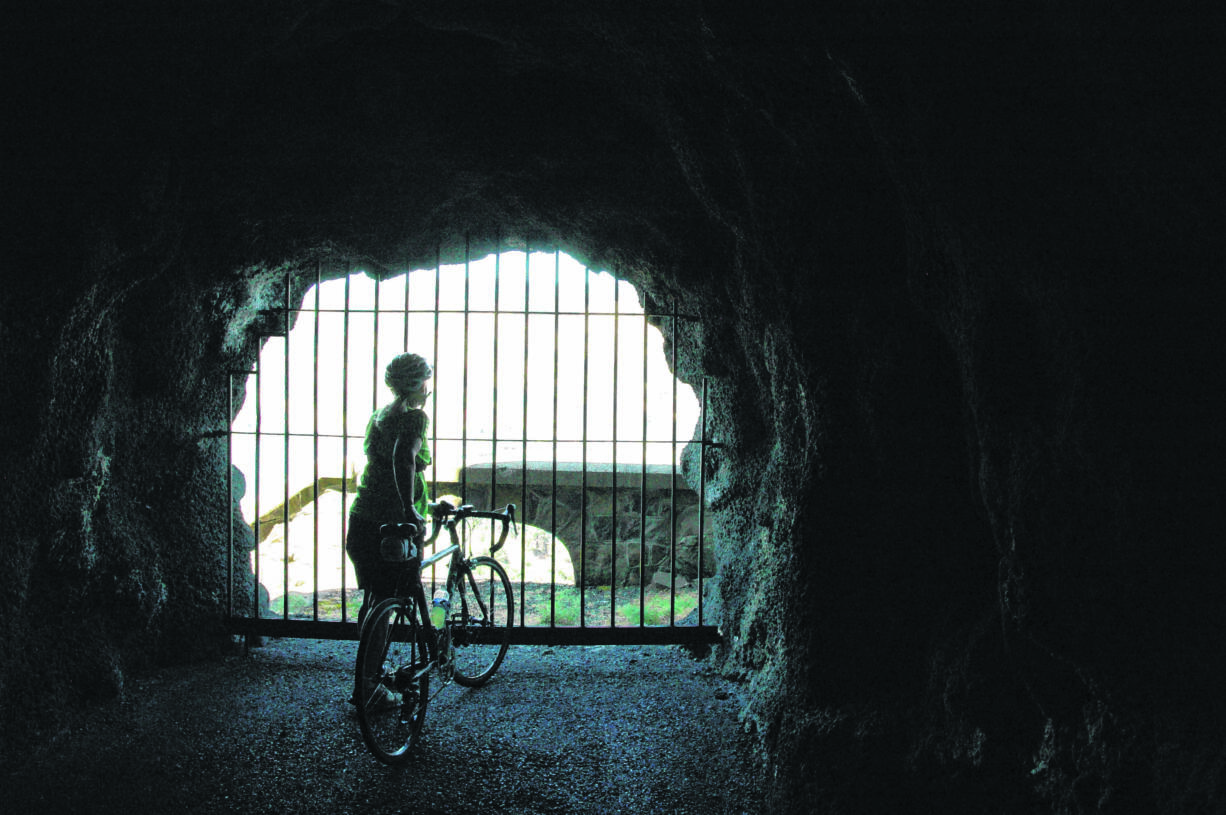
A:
<point x="404" y="472"/>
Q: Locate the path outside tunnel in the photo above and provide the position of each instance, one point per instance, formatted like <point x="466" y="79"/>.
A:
<point x="605" y="729"/>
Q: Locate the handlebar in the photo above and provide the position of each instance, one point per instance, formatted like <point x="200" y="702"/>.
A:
<point x="443" y="513"/>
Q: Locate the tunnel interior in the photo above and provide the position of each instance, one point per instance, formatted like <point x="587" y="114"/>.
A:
<point x="956" y="280"/>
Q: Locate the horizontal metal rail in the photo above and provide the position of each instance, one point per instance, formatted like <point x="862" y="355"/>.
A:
<point x="529" y="635"/>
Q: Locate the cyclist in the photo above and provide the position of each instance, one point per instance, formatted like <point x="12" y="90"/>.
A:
<point x="393" y="485"/>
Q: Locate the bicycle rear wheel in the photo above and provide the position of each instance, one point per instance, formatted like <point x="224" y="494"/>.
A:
<point x="482" y="611"/>
<point x="392" y="680"/>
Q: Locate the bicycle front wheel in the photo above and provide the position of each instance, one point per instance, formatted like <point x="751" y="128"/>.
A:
<point x="392" y="680"/>
<point x="482" y="611"/>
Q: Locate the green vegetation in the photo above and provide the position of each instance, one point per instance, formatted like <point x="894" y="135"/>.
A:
<point x="302" y="605"/>
<point x="565" y="604"/>
<point x="538" y="602"/>
<point x="655" y="609"/>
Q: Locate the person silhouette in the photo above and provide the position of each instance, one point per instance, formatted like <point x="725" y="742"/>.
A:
<point x="392" y="488"/>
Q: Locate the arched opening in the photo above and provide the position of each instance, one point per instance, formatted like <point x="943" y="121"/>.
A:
<point x="552" y="390"/>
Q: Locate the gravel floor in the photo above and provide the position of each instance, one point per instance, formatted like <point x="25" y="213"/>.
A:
<point x="603" y="729"/>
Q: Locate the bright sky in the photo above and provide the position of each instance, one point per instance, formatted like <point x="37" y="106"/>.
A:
<point x="477" y="356"/>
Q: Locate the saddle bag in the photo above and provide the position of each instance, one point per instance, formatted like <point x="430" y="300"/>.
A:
<point x="398" y="542"/>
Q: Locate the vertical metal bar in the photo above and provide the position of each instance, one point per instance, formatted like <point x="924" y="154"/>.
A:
<point x="494" y="396"/>
<point x="285" y="559"/>
<point x="257" y="524"/>
<point x="643" y="490"/>
<point x="553" y="487"/>
<point x="374" y="358"/>
<point x="587" y="277"/>
<point x="404" y="347"/>
<point x="523" y="473"/>
<point x="702" y="489"/>
<point x="497" y="316"/>
<point x="345" y="444"/>
<point x="672" y="500"/>
<point x="315" y="442"/>
<point x="438" y="277"/>
<point x="617" y="289"/>
<point x="464" y="393"/>
<point x="464" y="384"/>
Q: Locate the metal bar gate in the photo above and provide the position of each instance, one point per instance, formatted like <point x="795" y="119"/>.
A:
<point x="614" y="545"/>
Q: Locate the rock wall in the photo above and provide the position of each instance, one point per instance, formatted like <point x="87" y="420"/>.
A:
<point x="646" y="527"/>
<point x="955" y="269"/>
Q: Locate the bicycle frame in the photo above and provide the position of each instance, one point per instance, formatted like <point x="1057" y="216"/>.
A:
<point x="445" y="516"/>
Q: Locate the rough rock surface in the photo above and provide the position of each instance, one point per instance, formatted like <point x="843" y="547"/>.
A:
<point x="956" y="274"/>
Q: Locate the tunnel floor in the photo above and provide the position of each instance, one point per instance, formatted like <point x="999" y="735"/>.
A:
<point x="597" y="729"/>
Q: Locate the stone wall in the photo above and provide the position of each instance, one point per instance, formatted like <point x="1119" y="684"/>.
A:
<point x="620" y="531"/>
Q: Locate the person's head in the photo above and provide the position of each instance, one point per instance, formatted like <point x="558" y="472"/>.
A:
<point x="407" y="375"/>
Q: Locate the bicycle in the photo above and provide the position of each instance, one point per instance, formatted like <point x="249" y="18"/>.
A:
<point x="469" y="646"/>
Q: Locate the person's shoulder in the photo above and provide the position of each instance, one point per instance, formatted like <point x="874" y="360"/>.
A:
<point x="413" y="420"/>
<point x="382" y="417"/>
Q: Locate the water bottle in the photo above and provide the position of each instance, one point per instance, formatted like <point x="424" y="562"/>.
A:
<point x="439" y="607"/>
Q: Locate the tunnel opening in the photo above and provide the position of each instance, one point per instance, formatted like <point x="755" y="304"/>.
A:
<point x="553" y="390"/>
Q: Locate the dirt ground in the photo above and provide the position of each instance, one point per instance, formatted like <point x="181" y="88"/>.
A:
<point x="578" y="729"/>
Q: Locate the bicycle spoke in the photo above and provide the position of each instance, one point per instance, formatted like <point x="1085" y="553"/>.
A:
<point x="482" y="613"/>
